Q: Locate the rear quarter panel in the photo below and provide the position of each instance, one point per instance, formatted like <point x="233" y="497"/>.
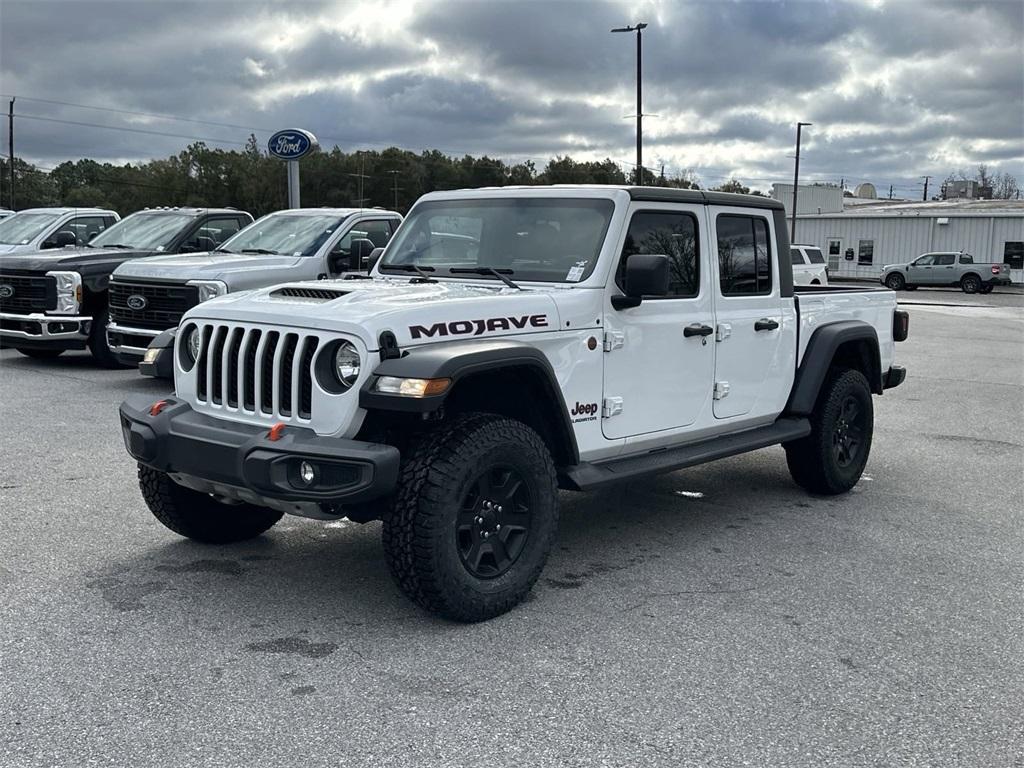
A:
<point x="874" y="306"/>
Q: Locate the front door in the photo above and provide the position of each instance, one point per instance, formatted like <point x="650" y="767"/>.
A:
<point x="919" y="271"/>
<point x="752" y="327"/>
<point x="659" y="356"/>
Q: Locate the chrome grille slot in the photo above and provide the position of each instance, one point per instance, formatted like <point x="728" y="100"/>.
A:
<point x="264" y="374"/>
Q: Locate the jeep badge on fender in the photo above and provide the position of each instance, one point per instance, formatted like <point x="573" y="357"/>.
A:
<point x="505" y="346"/>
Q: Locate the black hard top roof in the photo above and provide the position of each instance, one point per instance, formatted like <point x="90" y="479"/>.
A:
<point x="701" y="197"/>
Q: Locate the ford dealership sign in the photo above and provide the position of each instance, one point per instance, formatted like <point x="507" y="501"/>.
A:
<point x="291" y="144"/>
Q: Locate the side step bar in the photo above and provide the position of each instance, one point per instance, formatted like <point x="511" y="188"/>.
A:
<point x="587" y="476"/>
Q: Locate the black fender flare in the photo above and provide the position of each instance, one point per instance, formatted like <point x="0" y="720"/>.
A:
<point x="457" y="361"/>
<point x="821" y="351"/>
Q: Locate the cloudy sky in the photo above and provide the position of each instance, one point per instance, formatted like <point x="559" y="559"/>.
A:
<point x="895" y="89"/>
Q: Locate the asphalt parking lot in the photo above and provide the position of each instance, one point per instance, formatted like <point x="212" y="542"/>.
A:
<point x="716" y="616"/>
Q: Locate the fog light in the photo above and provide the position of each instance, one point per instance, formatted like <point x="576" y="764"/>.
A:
<point x="307" y="473"/>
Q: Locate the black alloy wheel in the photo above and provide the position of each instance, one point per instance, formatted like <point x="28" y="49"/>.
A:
<point x="848" y="434"/>
<point x="494" y="523"/>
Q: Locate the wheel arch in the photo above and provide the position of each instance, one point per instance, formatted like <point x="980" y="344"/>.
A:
<point x="848" y="343"/>
<point x="508" y="378"/>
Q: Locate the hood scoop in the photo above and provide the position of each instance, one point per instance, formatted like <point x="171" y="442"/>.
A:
<point x="307" y="294"/>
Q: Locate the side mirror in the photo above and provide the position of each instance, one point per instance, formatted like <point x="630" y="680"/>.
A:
<point x="374" y="257"/>
<point x="646" y="275"/>
<point x="61" y="239"/>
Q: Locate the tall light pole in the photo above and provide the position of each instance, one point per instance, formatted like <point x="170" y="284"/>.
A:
<point x="638" y="28"/>
<point x="796" y="182"/>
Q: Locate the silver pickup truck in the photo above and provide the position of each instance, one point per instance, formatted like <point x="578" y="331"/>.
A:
<point x="946" y="268"/>
<point x="149" y="296"/>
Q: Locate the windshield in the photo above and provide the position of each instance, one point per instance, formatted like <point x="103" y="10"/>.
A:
<point x="143" y="231"/>
<point x="544" y="239"/>
<point x="22" y="228"/>
<point x="285" y="234"/>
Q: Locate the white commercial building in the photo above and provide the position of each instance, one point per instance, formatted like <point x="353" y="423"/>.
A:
<point x="867" y="234"/>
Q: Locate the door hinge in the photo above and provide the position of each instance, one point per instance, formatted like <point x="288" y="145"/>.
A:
<point x="612" y="407"/>
<point x="721" y="389"/>
<point x="723" y="331"/>
<point x="613" y="340"/>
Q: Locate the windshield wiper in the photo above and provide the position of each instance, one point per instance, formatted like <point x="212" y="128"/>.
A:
<point x="115" y="245"/>
<point x="222" y="250"/>
<point x="424" y="272"/>
<point x="261" y="251"/>
<point x="498" y="273"/>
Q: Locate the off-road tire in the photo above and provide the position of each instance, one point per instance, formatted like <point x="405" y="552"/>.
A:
<point x="421" y="529"/>
<point x="895" y="281"/>
<point x="98" y="343"/>
<point x="40" y="354"/>
<point x="970" y="284"/>
<point x="199" y="516"/>
<point x="812" y="460"/>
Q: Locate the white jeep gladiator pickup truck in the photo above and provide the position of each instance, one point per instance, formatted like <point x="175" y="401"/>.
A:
<point x="510" y="342"/>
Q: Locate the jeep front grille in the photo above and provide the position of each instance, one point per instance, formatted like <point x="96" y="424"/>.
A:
<point x="257" y="371"/>
<point x="163" y="307"/>
<point x="27" y="293"/>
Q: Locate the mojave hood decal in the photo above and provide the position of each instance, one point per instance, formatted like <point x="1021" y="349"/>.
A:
<point x="477" y="327"/>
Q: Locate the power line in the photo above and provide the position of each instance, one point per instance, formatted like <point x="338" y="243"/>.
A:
<point x="128" y="130"/>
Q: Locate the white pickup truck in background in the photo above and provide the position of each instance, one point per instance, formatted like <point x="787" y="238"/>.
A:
<point x="508" y="342"/>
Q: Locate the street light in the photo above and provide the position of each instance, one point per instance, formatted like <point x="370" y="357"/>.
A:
<point x="638" y="28"/>
<point x="796" y="182"/>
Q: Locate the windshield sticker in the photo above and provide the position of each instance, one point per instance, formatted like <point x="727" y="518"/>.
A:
<point x="159" y="247"/>
<point x="574" y="275"/>
<point x="23" y="241"/>
<point x="297" y="253"/>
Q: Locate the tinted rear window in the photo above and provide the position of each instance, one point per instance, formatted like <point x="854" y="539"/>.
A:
<point x="815" y="255"/>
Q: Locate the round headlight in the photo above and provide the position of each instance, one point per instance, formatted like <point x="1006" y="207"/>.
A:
<point x="346" y="364"/>
<point x="193" y="343"/>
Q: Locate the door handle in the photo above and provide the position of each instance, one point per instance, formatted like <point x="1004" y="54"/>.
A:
<point x="698" y="329"/>
<point x="766" y="324"/>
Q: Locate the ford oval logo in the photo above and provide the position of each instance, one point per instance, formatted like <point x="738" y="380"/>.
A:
<point x="6" y="291"/>
<point x="136" y="302"/>
<point x="291" y="144"/>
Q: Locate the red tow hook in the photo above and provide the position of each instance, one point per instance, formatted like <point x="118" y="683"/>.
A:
<point x="275" y="432"/>
<point x="156" y="407"/>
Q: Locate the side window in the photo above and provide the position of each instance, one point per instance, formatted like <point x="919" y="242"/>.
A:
<point x="944" y="259"/>
<point x="866" y="252"/>
<point x="796" y="257"/>
<point x="833" y="247"/>
<point x="966" y="258"/>
<point x="925" y="261"/>
<point x="84" y="227"/>
<point x="212" y="233"/>
<point x="1013" y="254"/>
<point x="744" y="256"/>
<point x="671" y="234"/>
<point x="815" y="256"/>
<point x="377" y="232"/>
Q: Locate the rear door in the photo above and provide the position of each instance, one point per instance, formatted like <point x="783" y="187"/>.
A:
<point x="944" y="270"/>
<point x="659" y="356"/>
<point x="752" y="325"/>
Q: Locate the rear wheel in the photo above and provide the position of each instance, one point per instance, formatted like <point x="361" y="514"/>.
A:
<point x="41" y="354"/>
<point x="98" y="342"/>
<point x="970" y="284"/>
<point x="474" y="517"/>
<point x="199" y="516"/>
<point x="895" y="281"/>
<point x="831" y="459"/>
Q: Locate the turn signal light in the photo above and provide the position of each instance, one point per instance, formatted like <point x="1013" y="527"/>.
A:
<point x="394" y="385"/>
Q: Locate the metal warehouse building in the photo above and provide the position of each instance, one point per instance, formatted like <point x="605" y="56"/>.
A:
<point x="864" y="235"/>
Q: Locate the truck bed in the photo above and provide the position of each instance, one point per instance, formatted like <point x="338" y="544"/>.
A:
<point x="817" y="305"/>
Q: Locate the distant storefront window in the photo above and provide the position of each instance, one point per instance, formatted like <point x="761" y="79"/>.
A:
<point x="1013" y="254"/>
<point x="866" y="252"/>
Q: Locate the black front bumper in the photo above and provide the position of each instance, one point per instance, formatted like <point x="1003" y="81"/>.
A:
<point x="180" y="440"/>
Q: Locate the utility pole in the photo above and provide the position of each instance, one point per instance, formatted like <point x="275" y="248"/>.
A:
<point x="394" y="175"/>
<point x="638" y="28"/>
<point x="796" y="181"/>
<point x="890" y="191"/>
<point x="10" y="147"/>
<point x="360" y="176"/>
<point x="925" y="195"/>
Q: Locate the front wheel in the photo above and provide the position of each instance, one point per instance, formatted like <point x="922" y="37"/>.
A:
<point x="41" y="354"/>
<point x="970" y="284"/>
<point x="199" y="516"/>
<point x="474" y="517"/>
<point x="831" y="459"/>
<point x="895" y="281"/>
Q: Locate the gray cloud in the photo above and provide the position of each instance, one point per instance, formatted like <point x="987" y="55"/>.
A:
<point x="895" y="90"/>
